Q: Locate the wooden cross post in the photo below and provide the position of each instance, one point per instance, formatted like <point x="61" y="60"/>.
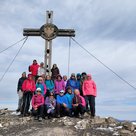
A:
<point x="48" y="31"/>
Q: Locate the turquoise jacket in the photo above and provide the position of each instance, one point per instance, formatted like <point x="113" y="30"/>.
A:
<point x="49" y="85"/>
<point x="69" y="97"/>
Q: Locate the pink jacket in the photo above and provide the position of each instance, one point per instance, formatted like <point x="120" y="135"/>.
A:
<point x="34" y="69"/>
<point x="28" y="85"/>
<point x="59" y="85"/>
<point x="78" y="99"/>
<point x="83" y="101"/>
<point x="89" y="88"/>
<point x="37" y="100"/>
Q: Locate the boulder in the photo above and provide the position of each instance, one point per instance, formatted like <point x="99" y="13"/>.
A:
<point x="83" y="124"/>
<point x="124" y="132"/>
<point x="111" y="120"/>
<point x="128" y="126"/>
<point x="98" y="120"/>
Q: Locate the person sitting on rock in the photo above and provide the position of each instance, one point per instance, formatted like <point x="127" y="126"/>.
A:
<point x="62" y="104"/>
<point x="28" y="88"/>
<point x="20" y="91"/>
<point x="40" y="84"/>
<point x="72" y="82"/>
<point x="69" y="96"/>
<point x="38" y="104"/>
<point x="50" y="104"/>
<point x="90" y="92"/>
<point x="55" y="72"/>
<point x="49" y="85"/>
<point x="59" y="85"/>
<point x="78" y="104"/>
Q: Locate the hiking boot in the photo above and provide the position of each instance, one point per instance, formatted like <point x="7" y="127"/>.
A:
<point x="40" y="119"/>
<point x="17" y="110"/>
<point x="35" y="118"/>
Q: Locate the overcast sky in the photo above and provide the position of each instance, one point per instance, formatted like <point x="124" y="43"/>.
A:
<point x="106" y="28"/>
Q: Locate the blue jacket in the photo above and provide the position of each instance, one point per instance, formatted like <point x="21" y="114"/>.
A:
<point x="69" y="97"/>
<point x="72" y="83"/>
<point x="62" y="99"/>
<point x="78" y="84"/>
<point x="49" y="85"/>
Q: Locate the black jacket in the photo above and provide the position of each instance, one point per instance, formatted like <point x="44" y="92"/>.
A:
<point x="20" y="82"/>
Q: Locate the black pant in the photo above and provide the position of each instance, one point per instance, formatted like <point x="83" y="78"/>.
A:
<point x="27" y="96"/>
<point x="91" y="100"/>
<point x="39" y="111"/>
<point x="61" y="110"/>
<point x="78" y="109"/>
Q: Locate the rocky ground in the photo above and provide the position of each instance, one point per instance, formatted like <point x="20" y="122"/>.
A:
<point x="13" y="125"/>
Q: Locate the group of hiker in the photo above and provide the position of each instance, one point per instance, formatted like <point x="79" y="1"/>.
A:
<point x="55" y="96"/>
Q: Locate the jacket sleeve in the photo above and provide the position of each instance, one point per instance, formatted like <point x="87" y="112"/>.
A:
<point x="83" y="103"/>
<point x="34" y="87"/>
<point x="24" y="86"/>
<point x="45" y="89"/>
<point x="52" y="85"/>
<point x="47" y="101"/>
<point x="95" y="88"/>
<point x="83" y="88"/>
<point x="30" y="68"/>
<point x="18" y="85"/>
<point x="67" y="84"/>
<point x="63" y="84"/>
<point x="55" y="86"/>
<point x="59" y="100"/>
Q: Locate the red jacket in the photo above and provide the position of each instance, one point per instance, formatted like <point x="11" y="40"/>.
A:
<point x="89" y="88"/>
<point x="28" y="85"/>
<point x="37" y="100"/>
<point x="34" y="69"/>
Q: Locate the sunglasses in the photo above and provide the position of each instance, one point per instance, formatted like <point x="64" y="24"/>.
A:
<point x="39" y="91"/>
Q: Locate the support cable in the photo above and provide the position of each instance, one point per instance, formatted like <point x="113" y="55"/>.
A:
<point x="121" y="78"/>
<point x="12" y="45"/>
<point x="25" y="39"/>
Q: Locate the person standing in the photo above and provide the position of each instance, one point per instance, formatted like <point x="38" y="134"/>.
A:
<point x="34" y="69"/>
<point x="20" y="91"/>
<point x="65" y="80"/>
<point x="90" y="92"/>
<point x="40" y="84"/>
<point x="41" y="70"/>
<point x="78" y="77"/>
<point x="59" y="85"/>
<point x="55" y="72"/>
<point x="72" y="82"/>
<point x="28" y="88"/>
<point x="49" y="85"/>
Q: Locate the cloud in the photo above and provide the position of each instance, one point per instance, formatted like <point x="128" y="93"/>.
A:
<point x="105" y="28"/>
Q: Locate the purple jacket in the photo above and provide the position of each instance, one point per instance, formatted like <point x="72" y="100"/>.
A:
<point x="59" y="85"/>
